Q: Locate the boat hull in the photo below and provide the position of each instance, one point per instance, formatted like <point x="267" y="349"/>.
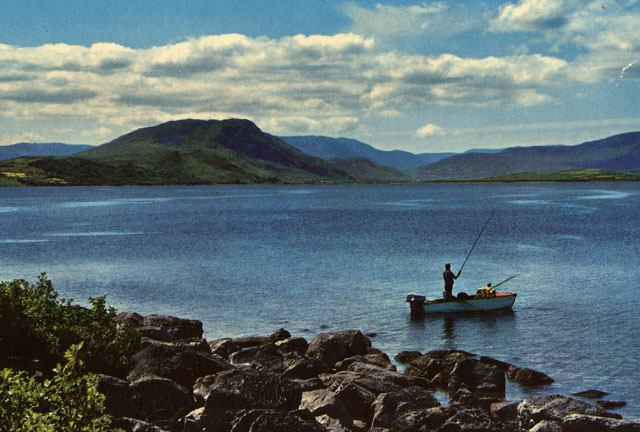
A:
<point x="500" y="302"/>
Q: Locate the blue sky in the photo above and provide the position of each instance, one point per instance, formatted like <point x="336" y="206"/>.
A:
<point x="419" y="76"/>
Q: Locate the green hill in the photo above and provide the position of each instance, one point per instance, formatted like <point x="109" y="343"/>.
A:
<point x="181" y="152"/>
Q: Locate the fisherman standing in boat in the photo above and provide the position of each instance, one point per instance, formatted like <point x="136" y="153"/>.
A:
<point x="449" y="277"/>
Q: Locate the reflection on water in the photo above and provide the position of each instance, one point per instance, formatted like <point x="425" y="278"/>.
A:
<point x="485" y="325"/>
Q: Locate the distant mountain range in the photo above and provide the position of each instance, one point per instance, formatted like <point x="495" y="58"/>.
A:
<point x="237" y="151"/>
<point x="344" y="148"/>
<point x="40" y="149"/>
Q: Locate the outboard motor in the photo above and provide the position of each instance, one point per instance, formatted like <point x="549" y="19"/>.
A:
<point x="416" y="302"/>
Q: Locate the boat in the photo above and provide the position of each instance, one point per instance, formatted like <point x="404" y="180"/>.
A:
<point x="499" y="301"/>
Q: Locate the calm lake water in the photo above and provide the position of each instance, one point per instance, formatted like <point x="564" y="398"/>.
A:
<point x="247" y="260"/>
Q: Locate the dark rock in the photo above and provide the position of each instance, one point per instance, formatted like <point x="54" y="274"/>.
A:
<point x="155" y="333"/>
<point x="466" y="398"/>
<point x="379" y="360"/>
<point x="336" y="346"/>
<point x="462" y="418"/>
<point x="357" y="399"/>
<point x="478" y="377"/>
<point x="405" y="357"/>
<point x="547" y="426"/>
<point x="375" y="380"/>
<point x="193" y="422"/>
<point x="506" y="412"/>
<point x="555" y="408"/>
<point x="609" y="404"/>
<point x="180" y="364"/>
<point x="268" y="420"/>
<point x="250" y="341"/>
<point x="160" y="399"/>
<point x="99" y="363"/>
<point x="133" y="319"/>
<point x="323" y="401"/>
<point x="493" y="362"/>
<point x="305" y="368"/>
<point x="269" y="356"/>
<point x="588" y="423"/>
<point x="528" y="377"/>
<point x="222" y="347"/>
<point x="280" y="335"/>
<point x="591" y="394"/>
<point x="392" y="380"/>
<point x="243" y="356"/>
<point x="134" y="425"/>
<point x="250" y="389"/>
<point x="309" y="384"/>
<point x="296" y="345"/>
<point x="177" y="328"/>
<point x="449" y="354"/>
<point x="118" y="396"/>
<point x="436" y="366"/>
<point x="405" y="409"/>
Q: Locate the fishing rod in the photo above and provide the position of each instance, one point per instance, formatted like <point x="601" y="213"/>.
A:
<point x="475" y="242"/>
<point x="504" y="281"/>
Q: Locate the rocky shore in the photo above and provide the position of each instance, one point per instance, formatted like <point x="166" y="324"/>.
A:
<point x="338" y="381"/>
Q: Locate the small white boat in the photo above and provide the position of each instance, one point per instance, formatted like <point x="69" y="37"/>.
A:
<point x="420" y="305"/>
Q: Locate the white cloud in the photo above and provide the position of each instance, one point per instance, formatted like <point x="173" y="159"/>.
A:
<point x="430" y="129"/>
<point x="530" y="15"/>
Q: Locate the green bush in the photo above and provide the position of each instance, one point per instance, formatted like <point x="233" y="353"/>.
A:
<point x="68" y="402"/>
<point x="36" y="324"/>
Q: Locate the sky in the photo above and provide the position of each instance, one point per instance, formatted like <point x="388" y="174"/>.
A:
<point x="430" y="76"/>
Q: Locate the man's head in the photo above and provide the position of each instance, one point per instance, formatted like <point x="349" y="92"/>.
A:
<point x="447" y="266"/>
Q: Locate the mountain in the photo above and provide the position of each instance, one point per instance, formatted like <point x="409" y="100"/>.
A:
<point x="40" y="149"/>
<point x="365" y="171"/>
<point x="615" y="153"/>
<point x="211" y="151"/>
<point x="328" y="148"/>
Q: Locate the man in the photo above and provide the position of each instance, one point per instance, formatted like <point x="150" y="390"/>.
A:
<point x="449" y="277"/>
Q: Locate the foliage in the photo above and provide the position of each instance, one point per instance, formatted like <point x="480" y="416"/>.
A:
<point x="68" y="402"/>
<point x="36" y="324"/>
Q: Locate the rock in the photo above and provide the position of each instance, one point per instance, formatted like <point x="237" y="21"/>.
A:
<point x="180" y="364"/>
<point x="332" y="424"/>
<point x="547" y="426"/>
<point x="588" y="423"/>
<point x="493" y="362"/>
<point x="325" y="402"/>
<point x="222" y="347"/>
<point x="466" y="398"/>
<point x="528" y="377"/>
<point x="250" y="341"/>
<point x="591" y="394"/>
<point x="375" y="380"/>
<point x="193" y="421"/>
<point x="118" y="396"/>
<point x="379" y="360"/>
<point x="462" y="418"/>
<point x="333" y="347"/>
<point x="436" y="366"/>
<point x="506" y="412"/>
<point x="134" y="425"/>
<point x="250" y="389"/>
<point x="265" y="420"/>
<point x="177" y="328"/>
<point x="309" y="384"/>
<point x="296" y="345"/>
<point x="155" y="333"/>
<point x="478" y="377"/>
<point x="449" y="354"/>
<point x="269" y="356"/>
<point x="305" y="368"/>
<point x="555" y="408"/>
<point x="609" y="404"/>
<point x="280" y="335"/>
<point x="357" y="399"/>
<point x="405" y="357"/>
<point x="133" y="319"/>
<point x="157" y="398"/>
<point x="405" y="409"/>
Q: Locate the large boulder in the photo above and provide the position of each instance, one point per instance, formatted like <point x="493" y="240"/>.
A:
<point x="357" y="399"/>
<point x="160" y="399"/>
<point x="132" y="319"/>
<point x="555" y="408"/>
<point x="178" y="363"/>
<point x="176" y="328"/>
<point x="335" y="346"/>
<point x="305" y="368"/>
<point x="405" y="409"/>
<point x="588" y="423"/>
<point x="325" y="402"/>
<point x="528" y="377"/>
<point x="374" y="379"/>
<point x="378" y="359"/>
<point x="478" y="377"/>
<point x="406" y="357"/>
<point x="250" y="389"/>
<point x="436" y="366"/>
<point x="269" y="420"/>
<point x="118" y="396"/>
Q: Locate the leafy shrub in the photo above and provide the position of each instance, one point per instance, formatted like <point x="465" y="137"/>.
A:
<point x="36" y="324"/>
<point x="68" y="402"/>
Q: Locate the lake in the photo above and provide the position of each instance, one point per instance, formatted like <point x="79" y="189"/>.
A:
<point x="247" y="260"/>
